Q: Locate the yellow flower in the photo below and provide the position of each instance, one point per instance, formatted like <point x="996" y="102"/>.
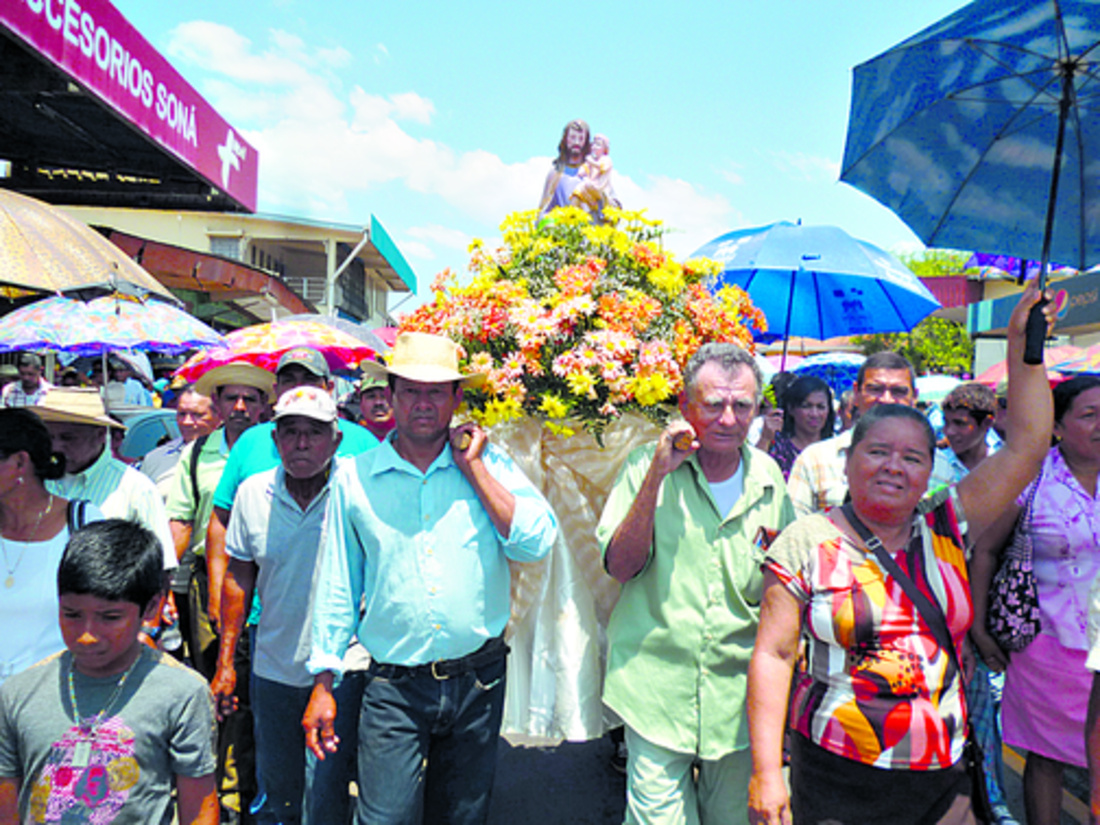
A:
<point x="581" y="383"/>
<point x="499" y="410"/>
<point x="570" y="216"/>
<point x="650" y="389"/>
<point x="542" y="246"/>
<point x="559" y="429"/>
<point x="553" y="406"/>
<point x="669" y="278"/>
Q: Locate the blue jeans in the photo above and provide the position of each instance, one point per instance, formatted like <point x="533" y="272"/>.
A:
<point x="428" y="747"/>
<point x="284" y="773"/>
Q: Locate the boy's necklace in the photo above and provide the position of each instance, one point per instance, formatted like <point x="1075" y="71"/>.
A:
<point x="90" y="724"/>
<point x="9" y="582"/>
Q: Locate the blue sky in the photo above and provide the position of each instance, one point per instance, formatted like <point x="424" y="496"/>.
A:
<point x="442" y="117"/>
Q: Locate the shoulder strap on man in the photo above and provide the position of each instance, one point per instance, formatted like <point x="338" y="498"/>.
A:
<point x="195" y="450"/>
<point x="76" y="516"/>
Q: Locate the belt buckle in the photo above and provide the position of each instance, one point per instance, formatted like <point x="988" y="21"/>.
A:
<point x="439" y="677"/>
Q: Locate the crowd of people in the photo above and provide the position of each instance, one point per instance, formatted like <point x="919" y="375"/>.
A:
<point x="292" y="597"/>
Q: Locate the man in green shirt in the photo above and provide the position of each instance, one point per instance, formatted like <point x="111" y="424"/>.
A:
<point x="241" y="393"/>
<point x="684" y="530"/>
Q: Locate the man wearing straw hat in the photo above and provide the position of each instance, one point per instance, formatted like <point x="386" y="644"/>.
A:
<point x="423" y="528"/>
<point x="240" y="393"/>
<point x="78" y="424"/>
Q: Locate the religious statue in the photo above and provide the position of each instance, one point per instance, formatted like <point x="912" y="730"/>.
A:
<point x="581" y="174"/>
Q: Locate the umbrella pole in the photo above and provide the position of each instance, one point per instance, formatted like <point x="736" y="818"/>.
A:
<point x="1036" y="321"/>
<point x="787" y="329"/>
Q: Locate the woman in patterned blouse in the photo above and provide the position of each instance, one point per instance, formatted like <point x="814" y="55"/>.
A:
<point x="878" y="712"/>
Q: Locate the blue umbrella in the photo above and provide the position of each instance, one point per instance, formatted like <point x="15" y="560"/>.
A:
<point x="982" y="131"/>
<point x="820" y="282"/>
<point x="837" y="369"/>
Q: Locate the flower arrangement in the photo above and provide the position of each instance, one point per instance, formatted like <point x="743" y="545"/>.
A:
<point x="576" y="323"/>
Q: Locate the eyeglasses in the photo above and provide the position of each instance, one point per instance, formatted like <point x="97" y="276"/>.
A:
<point x="899" y="391"/>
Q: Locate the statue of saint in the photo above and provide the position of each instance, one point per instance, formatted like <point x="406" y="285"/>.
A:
<point x="581" y="175"/>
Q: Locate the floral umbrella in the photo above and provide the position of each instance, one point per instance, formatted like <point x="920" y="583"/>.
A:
<point x="264" y="344"/>
<point x="111" y="322"/>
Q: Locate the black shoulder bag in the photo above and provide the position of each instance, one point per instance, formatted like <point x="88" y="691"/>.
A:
<point x="934" y="617"/>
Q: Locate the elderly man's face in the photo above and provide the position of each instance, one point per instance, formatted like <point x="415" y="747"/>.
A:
<point x="720" y="407"/>
<point x="195" y="416"/>
<point x="305" y="445"/>
<point x="81" y="444"/>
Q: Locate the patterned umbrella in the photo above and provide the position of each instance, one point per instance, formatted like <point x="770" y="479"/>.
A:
<point x="111" y="322"/>
<point x="1053" y="357"/>
<point x="837" y="369"/>
<point x="1084" y="361"/>
<point x="264" y="344"/>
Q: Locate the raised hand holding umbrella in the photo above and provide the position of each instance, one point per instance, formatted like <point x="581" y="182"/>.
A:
<point x="962" y="127"/>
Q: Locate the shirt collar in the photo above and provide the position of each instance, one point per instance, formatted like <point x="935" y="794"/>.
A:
<point x="387" y="458"/>
<point x="96" y="466"/>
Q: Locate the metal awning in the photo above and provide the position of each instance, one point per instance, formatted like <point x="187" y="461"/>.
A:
<point x="219" y="291"/>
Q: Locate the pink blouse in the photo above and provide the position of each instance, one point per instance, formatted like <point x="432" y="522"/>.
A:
<point x="1066" y="539"/>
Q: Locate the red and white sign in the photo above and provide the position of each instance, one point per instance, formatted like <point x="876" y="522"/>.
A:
<point x="93" y="43"/>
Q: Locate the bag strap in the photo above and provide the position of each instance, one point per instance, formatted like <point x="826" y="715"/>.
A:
<point x="195" y="450"/>
<point x="1029" y="504"/>
<point x="930" y="611"/>
<point x="75" y="516"/>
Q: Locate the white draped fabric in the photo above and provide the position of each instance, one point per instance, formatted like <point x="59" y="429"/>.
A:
<point x="560" y="606"/>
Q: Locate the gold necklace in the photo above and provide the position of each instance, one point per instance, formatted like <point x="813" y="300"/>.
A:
<point x="9" y="582"/>
<point x="88" y="725"/>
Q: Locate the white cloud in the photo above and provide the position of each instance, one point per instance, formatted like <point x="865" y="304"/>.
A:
<point x="322" y="146"/>
<point x="220" y="49"/>
<point x="700" y="216"/>
<point x="336" y="57"/>
<point x="411" y="106"/>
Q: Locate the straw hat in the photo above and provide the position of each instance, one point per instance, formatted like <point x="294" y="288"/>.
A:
<point x="75" y="405"/>
<point x="430" y="359"/>
<point x="237" y="372"/>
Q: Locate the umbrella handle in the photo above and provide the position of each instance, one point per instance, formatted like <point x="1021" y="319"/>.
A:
<point x="1036" y="333"/>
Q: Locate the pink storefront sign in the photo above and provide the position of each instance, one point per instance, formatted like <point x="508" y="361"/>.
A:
<point x="95" y="45"/>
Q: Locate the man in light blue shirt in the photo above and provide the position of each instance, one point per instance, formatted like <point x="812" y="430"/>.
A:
<point x="420" y="531"/>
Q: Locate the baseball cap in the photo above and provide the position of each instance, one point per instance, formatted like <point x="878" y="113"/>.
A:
<point x="370" y="382"/>
<point x="307" y="358"/>
<point x="310" y="402"/>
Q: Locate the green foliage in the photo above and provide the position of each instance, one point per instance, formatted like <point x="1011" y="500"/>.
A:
<point x="935" y="345"/>
<point x="936" y="263"/>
